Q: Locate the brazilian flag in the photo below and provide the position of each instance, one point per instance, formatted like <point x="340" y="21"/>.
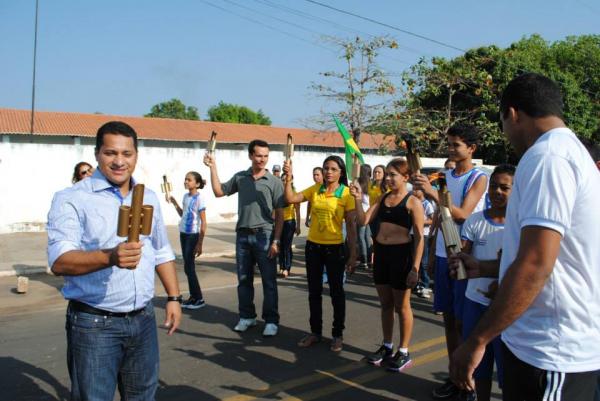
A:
<point x="351" y="148"/>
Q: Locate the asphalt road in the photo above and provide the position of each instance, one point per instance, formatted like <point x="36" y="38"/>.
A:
<point x="207" y="360"/>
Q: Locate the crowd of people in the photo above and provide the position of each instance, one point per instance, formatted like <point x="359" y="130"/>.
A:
<point x="529" y="237"/>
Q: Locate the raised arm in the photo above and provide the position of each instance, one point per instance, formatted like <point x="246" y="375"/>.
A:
<point x="288" y="192"/>
<point x="215" y="183"/>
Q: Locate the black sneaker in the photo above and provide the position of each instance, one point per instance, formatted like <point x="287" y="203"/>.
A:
<point x="399" y="362"/>
<point x="445" y="391"/>
<point x="193" y="303"/>
<point x="382" y="354"/>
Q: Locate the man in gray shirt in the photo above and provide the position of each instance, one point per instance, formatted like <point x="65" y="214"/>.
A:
<point x="257" y="232"/>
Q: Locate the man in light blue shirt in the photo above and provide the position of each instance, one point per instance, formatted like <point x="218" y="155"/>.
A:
<point x="111" y="328"/>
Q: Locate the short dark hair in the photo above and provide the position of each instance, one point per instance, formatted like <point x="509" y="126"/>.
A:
<point x="116" y="128"/>
<point x="504" y="169"/>
<point x="257" y="142"/>
<point x="338" y="160"/>
<point x="534" y="94"/>
<point x="467" y="133"/>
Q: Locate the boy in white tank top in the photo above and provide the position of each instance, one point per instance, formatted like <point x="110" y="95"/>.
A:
<point x="468" y="186"/>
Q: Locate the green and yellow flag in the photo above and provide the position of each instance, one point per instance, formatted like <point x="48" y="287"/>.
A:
<point x="351" y="148"/>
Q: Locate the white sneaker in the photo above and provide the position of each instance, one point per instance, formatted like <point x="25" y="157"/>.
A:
<point x="270" y="330"/>
<point x="244" y="324"/>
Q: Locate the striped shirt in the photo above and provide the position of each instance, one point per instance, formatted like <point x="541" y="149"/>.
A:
<point x="190" y="218"/>
<point x="84" y="217"/>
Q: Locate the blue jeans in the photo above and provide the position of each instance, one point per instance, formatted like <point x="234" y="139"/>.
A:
<point x="104" y="352"/>
<point x="188" y="245"/>
<point x="251" y="249"/>
<point x="423" y="275"/>
<point x="365" y="244"/>
<point x="287" y="237"/>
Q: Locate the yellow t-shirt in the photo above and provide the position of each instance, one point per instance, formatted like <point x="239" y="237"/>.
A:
<point x="374" y="193"/>
<point x="289" y="212"/>
<point x="327" y="213"/>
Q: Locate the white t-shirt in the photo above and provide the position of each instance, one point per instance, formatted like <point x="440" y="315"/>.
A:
<point x="190" y="222"/>
<point x="558" y="186"/>
<point x="428" y="211"/>
<point x="486" y="236"/>
<point x="459" y="186"/>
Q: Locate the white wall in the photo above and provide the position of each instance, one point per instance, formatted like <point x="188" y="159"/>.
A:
<point x="30" y="173"/>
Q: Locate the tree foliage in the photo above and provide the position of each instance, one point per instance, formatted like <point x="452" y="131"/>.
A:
<point x="441" y="92"/>
<point x="173" y="108"/>
<point x="363" y="88"/>
<point x="233" y="113"/>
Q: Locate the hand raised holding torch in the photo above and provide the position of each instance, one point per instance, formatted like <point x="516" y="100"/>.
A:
<point x="209" y="156"/>
<point x="166" y="188"/>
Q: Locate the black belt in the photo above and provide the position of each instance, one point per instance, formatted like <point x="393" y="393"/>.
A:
<point x="85" y="308"/>
<point x="250" y="231"/>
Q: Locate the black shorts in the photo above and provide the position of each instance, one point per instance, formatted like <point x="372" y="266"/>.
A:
<point x="523" y="382"/>
<point x="391" y="264"/>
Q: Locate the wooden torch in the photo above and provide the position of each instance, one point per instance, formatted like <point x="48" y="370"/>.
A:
<point x="288" y="151"/>
<point x="449" y="228"/>
<point x="412" y="156"/>
<point x="166" y="188"/>
<point x="212" y="143"/>
<point x="137" y="218"/>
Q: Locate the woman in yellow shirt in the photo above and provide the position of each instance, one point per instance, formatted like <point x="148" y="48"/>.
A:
<point x="331" y="205"/>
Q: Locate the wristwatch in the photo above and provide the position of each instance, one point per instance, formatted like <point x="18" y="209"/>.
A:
<point x="276" y="242"/>
<point x="175" y="298"/>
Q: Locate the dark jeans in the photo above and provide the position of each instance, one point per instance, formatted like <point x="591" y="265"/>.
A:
<point x="287" y="237"/>
<point x="365" y="244"/>
<point x="104" y="352"/>
<point x="424" y="278"/>
<point x="252" y="249"/>
<point x="188" y="244"/>
<point x="333" y="257"/>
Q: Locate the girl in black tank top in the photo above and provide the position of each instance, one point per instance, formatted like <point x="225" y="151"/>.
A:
<point x="398" y="214"/>
<point x="396" y="265"/>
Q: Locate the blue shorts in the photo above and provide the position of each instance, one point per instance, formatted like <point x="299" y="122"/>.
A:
<point x="471" y="314"/>
<point x="449" y="294"/>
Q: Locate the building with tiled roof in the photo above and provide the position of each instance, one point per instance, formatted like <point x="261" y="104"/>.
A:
<point x="14" y="121"/>
<point x="33" y="166"/>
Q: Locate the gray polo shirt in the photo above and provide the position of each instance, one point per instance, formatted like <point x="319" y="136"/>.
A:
<point x="256" y="199"/>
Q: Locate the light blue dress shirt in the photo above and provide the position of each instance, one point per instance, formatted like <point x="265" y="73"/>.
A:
<point x="84" y="217"/>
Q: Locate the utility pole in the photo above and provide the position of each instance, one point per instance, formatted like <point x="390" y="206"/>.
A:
<point x="34" y="62"/>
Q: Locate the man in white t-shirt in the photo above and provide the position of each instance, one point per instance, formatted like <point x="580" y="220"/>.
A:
<point x="546" y="306"/>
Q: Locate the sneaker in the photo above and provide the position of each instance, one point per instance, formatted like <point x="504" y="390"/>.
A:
<point x="445" y="391"/>
<point x="424" y="293"/>
<point x="244" y="324"/>
<point x="336" y="344"/>
<point x="382" y="354"/>
<point x="270" y="330"/>
<point x="399" y="362"/>
<point x="194" y="304"/>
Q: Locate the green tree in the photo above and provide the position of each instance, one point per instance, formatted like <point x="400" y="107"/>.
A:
<point x="442" y="92"/>
<point x="363" y="89"/>
<point x="174" y="108"/>
<point x="233" y="113"/>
